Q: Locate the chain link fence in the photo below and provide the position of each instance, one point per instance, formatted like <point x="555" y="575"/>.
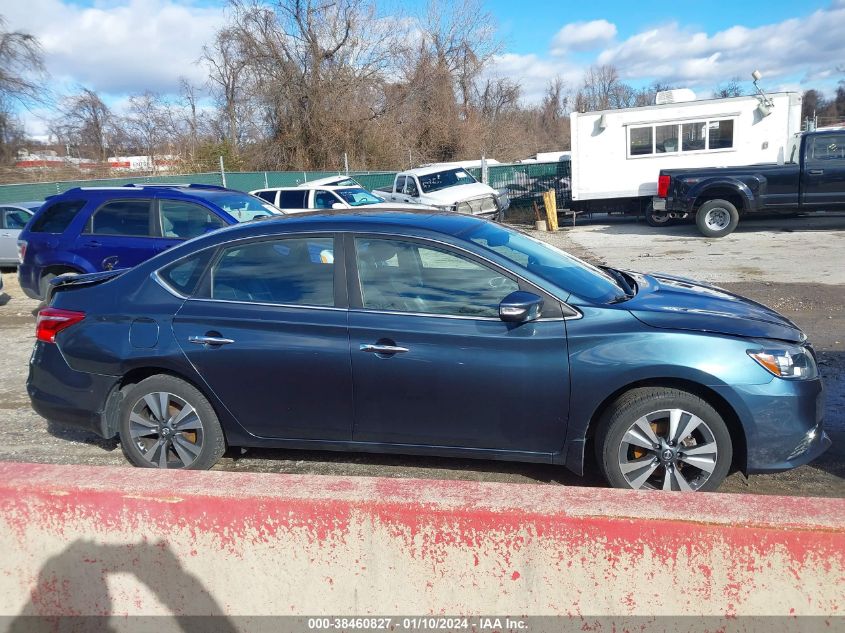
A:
<point x="523" y="182"/>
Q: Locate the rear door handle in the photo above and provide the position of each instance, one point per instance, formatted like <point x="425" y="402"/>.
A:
<point x="383" y="349"/>
<point x="210" y="340"/>
<point x="815" y="172"/>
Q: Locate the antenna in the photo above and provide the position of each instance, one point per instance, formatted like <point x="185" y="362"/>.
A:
<point x="766" y="104"/>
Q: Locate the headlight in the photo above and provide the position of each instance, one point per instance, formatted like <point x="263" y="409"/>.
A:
<point x="790" y="362"/>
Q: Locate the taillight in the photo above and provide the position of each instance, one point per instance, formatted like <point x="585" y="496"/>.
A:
<point x="21" y="250"/>
<point x="663" y="186"/>
<point x="51" y="321"/>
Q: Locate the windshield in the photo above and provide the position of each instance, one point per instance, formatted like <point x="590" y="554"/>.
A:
<point x="241" y="206"/>
<point x="357" y="197"/>
<point x="445" y="179"/>
<point x="550" y="263"/>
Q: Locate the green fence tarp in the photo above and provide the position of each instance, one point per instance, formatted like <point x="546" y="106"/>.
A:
<point x="522" y="181"/>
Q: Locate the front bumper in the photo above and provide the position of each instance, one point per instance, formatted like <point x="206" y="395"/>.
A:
<point x="783" y="422"/>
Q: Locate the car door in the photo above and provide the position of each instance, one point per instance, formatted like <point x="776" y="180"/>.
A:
<point x="267" y="332"/>
<point x="119" y="234"/>
<point x="432" y="362"/>
<point x="823" y="178"/>
<point x="12" y="221"/>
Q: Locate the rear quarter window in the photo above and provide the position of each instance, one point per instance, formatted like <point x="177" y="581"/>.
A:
<point x="56" y="217"/>
<point x="183" y="275"/>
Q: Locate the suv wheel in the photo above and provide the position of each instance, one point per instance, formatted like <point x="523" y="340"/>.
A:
<point x="167" y="423"/>
<point x="661" y="438"/>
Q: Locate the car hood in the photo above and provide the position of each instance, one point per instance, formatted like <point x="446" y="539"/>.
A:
<point x="459" y="193"/>
<point x="666" y="301"/>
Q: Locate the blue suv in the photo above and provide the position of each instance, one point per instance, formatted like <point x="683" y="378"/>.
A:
<point x="87" y="230"/>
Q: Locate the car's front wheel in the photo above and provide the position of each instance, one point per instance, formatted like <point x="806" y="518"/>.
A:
<point x="662" y="438"/>
<point x="167" y="423"/>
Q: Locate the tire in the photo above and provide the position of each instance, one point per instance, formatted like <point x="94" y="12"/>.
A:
<point x="656" y="219"/>
<point x="46" y="289"/>
<point x="648" y="414"/>
<point x="193" y="441"/>
<point x="716" y="218"/>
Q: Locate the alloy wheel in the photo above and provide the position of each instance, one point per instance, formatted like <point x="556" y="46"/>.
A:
<point x="166" y="430"/>
<point x="670" y="449"/>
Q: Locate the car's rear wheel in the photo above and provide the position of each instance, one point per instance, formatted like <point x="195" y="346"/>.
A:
<point x="716" y="218"/>
<point x="167" y="423"/>
<point x="662" y="438"/>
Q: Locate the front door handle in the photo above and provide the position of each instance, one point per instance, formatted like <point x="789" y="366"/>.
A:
<point x="209" y="340"/>
<point x="383" y="349"/>
<point x="815" y="172"/>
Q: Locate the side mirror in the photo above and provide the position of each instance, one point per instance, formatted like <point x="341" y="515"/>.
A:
<point x="338" y="205"/>
<point x="520" y="307"/>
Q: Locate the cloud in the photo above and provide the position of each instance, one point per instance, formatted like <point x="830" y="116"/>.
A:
<point x="534" y="73"/>
<point x="136" y="46"/>
<point x="808" y="47"/>
<point x="583" y="36"/>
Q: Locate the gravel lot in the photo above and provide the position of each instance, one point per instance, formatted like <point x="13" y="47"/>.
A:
<point x="795" y="266"/>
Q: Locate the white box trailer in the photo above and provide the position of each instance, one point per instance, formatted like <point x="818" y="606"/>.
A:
<point x="618" y="154"/>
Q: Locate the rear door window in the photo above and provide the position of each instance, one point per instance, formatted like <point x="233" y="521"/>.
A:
<point x="184" y="220"/>
<point x="56" y="217"/>
<point x="292" y="271"/>
<point x="293" y="199"/>
<point x="268" y="195"/>
<point x="131" y="218"/>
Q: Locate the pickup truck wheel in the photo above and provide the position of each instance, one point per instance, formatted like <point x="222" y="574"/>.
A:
<point x="653" y="218"/>
<point x="716" y="218"/>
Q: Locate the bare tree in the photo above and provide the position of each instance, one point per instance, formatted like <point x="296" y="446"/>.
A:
<point x="228" y="75"/>
<point x="21" y="66"/>
<point x="731" y="89"/>
<point x="86" y="122"/>
<point x="149" y="122"/>
<point x="21" y="82"/>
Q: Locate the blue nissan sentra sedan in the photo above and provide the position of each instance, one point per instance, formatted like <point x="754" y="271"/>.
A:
<point x="425" y="333"/>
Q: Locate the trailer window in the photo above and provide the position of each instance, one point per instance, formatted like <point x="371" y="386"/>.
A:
<point x="666" y="139"/>
<point x="720" y="134"/>
<point x="641" y="141"/>
<point x="693" y="137"/>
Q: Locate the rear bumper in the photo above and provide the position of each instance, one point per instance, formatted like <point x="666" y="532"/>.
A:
<point x="658" y="204"/>
<point x="28" y="279"/>
<point x="783" y="423"/>
<point x="60" y="394"/>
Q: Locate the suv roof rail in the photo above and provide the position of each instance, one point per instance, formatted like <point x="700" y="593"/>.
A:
<point x="175" y="185"/>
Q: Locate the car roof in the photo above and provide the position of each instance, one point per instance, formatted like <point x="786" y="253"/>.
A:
<point x="132" y="190"/>
<point x="431" y="169"/>
<point x="360" y="219"/>
<point x="32" y="205"/>
<point x="307" y="186"/>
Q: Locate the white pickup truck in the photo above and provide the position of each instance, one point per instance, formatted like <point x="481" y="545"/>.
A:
<point x="313" y="196"/>
<point x="448" y="188"/>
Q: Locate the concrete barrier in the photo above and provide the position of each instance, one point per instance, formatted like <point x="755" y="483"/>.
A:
<point x="79" y="540"/>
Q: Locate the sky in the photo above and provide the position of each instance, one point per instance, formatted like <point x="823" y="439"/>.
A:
<point x="118" y="47"/>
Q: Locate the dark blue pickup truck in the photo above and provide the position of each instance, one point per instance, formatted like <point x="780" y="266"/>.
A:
<point x="811" y="179"/>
